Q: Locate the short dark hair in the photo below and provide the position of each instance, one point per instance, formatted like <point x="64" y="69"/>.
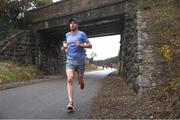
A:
<point x="73" y="19"/>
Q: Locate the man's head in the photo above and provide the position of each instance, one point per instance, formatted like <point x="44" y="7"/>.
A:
<point x="73" y="24"/>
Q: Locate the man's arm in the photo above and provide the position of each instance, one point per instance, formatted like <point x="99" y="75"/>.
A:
<point x="86" y="45"/>
<point x="64" y="47"/>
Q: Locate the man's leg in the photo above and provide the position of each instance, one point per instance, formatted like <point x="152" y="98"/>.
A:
<point x="81" y="81"/>
<point x="80" y="76"/>
<point x="80" y="73"/>
<point x="70" y="76"/>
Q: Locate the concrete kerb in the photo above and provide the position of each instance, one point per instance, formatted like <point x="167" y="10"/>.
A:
<point x="6" y="86"/>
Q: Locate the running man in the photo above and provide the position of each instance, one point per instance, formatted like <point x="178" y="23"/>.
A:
<point x="76" y="42"/>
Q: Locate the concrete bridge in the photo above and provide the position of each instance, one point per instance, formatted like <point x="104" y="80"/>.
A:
<point x="96" y="17"/>
<point x="49" y="24"/>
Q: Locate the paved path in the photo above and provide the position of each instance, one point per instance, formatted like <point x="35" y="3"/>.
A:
<point x="48" y="99"/>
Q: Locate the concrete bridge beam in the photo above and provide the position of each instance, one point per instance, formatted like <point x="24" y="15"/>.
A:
<point x="84" y="16"/>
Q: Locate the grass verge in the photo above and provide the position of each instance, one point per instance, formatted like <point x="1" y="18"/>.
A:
<point x="10" y="72"/>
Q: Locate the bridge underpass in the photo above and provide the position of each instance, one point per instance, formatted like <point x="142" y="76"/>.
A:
<point x="100" y="18"/>
<point x="51" y="40"/>
<point x="49" y="24"/>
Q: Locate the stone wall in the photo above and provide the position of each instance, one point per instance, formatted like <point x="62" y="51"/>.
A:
<point x="134" y="52"/>
<point x="153" y="66"/>
<point x="48" y="56"/>
<point x="18" y="47"/>
<point x="140" y="61"/>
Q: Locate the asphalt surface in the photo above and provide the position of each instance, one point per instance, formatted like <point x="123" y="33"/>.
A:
<point x="48" y="100"/>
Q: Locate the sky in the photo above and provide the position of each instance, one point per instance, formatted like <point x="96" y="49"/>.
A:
<point x="104" y="47"/>
<point x="55" y="0"/>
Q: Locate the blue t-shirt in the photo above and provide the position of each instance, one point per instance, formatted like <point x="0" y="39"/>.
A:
<point x="75" y="52"/>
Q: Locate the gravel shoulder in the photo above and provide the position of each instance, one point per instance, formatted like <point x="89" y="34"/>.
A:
<point x="114" y="99"/>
